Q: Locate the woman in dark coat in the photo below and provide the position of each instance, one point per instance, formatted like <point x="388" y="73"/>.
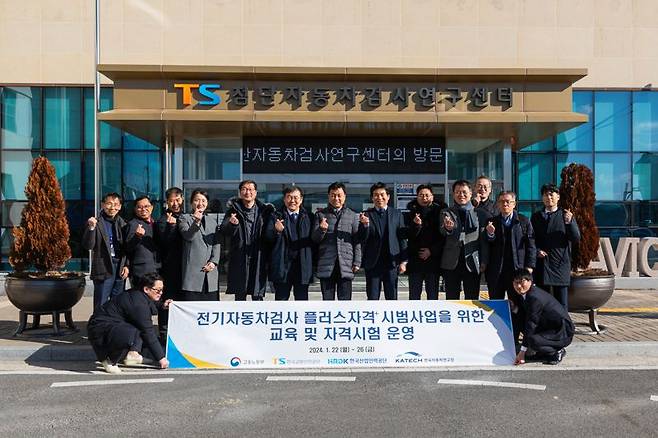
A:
<point x="122" y="326"/>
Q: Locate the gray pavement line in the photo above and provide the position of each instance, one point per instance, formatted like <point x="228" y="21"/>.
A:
<point x="108" y="382"/>
<point x="489" y="383"/>
<point x="653" y="398"/>
<point x="310" y="379"/>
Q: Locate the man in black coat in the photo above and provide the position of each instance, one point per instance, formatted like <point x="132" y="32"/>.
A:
<point x="511" y="247"/>
<point x="548" y="329"/>
<point x="383" y="236"/>
<point x="141" y="245"/>
<point x="289" y="235"/>
<point x="104" y="236"/>
<point x="119" y="329"/>
<point x="170" y="249"/>
<point x="425" y="243"/>
<point x="244" y="224"/>
<point x="556" y="230"/>
<point x="482" y="199"/>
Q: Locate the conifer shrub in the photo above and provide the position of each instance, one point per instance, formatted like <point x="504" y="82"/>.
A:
<point x="41" y="240"/>
<point x="577" y="195"/>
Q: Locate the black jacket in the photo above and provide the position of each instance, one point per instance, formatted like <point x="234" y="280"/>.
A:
<point x="98" y="242"/>
<point x="488" y="207"/>
<point x="283" y="246"/>
<point x="373" y="240"/>
<point x="426" y="235"/>
<point x="106" y="327"/>
<point x="524" y="252"/>
<point x="170" y="249"/>
<point x="547" y="323"/>
<point x="142" y="251"/>
<point x="238" y="281"/>
<point x="556" y="238"/>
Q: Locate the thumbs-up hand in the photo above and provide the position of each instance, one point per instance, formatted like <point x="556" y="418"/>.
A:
<point x="198" y="215"/>
<point x="278" y="225"/>
<point x="170" y="218"/>
<point x="568" y="216"/>
<point x="490" y="228"/>
<point x="324" y="225"/>
<point x="140" y="231"/>
<point x="91" y="223"/>
<point x="234" y="219"/>
<point x="417" y="219"/>
<point x="448" y="223"/>
<point x="364" y="219"/>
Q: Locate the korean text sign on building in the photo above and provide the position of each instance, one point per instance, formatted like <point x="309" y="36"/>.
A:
<point x="348" y="334"/>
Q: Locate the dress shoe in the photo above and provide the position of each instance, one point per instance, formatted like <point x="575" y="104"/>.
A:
<point x="557" y="357"/>
<point x="110" y="368"/>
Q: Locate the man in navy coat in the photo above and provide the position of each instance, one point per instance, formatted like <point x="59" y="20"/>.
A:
<point x="289" y="235"/>
<point x="511" y="247"/>
<point x="556" y="230"/>
<point x="383" y="234"/>
<point x="548" y="329"/>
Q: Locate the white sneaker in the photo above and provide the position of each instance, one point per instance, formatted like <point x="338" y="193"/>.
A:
<point x="136" y="359"/>
<point x="110" y="368"/>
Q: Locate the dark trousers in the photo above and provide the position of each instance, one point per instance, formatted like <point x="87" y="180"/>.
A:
<point x="416" y="280"/>
<point x="242" y="296"/>
<point x="122" y="338"/>
<point x="335" y="285"/>
<point x="454" y="278"/>
<point x="104" y="290"/>
<point x="187" y="295"/>
<point x="282" y="291"/>
<point x="388" y="276"/>
<point x="498" y="291"/>
<point x="561" y="293"/>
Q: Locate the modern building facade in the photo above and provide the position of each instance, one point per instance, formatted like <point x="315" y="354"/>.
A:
<point x="205" y="93"/>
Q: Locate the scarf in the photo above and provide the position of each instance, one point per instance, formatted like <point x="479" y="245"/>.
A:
<point x="471" y="221"/>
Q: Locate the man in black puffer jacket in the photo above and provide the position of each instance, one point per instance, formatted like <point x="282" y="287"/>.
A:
<point x="424" y="243"/>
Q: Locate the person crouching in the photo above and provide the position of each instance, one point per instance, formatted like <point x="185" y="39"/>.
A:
<point x="548" y="328"/>
<point x="121" y="328"/>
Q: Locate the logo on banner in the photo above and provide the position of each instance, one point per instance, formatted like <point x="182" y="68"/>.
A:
<point x="235" y="361"/>
<point x="409" y="357"/>
<point x="279" y="361"/>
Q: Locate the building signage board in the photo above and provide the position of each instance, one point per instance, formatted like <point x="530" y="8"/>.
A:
<point x="372" y="96"/>
<point x="343" y="155"/>
<point x="318" y="334"/>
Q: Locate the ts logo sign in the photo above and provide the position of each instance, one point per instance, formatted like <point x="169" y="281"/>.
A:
<point x="205" y="90"/>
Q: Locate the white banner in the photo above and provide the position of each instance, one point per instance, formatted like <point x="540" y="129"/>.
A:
<point x="339" y="334"/>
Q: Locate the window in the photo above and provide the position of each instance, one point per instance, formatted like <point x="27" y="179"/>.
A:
<point x="62" y="118"/>
<point x="645" y="121"/>
<point x="645" y="176"/>
<point x="534" y="170"/>
<point x="612" y="177"/>
<point x="21" y="117"/>
<point x="579" y="138"/>
<point x="612" y="121"/>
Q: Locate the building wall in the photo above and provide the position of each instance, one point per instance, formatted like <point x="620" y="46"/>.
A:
<point x="52" y="41"/>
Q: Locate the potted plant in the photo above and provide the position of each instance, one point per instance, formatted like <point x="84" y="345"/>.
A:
<point x="39" y="251"/>
<point x="590" y="288"/>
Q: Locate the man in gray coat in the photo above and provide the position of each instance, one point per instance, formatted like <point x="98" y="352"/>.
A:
<point x="339" y="251"/>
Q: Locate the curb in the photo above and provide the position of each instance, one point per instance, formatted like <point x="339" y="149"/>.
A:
<point x="584" y="350"/>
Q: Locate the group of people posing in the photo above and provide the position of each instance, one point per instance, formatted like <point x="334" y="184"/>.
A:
<point x="179" y="254"/>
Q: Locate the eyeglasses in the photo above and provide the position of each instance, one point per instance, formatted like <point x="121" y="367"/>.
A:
<point x="143" y="207"/>
<point x="507" y="201"/>
<point x="158" y="290"/>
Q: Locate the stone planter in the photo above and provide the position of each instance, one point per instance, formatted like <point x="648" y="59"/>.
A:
<point x="44" y="296"/>
<point x="588" y="294"/>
